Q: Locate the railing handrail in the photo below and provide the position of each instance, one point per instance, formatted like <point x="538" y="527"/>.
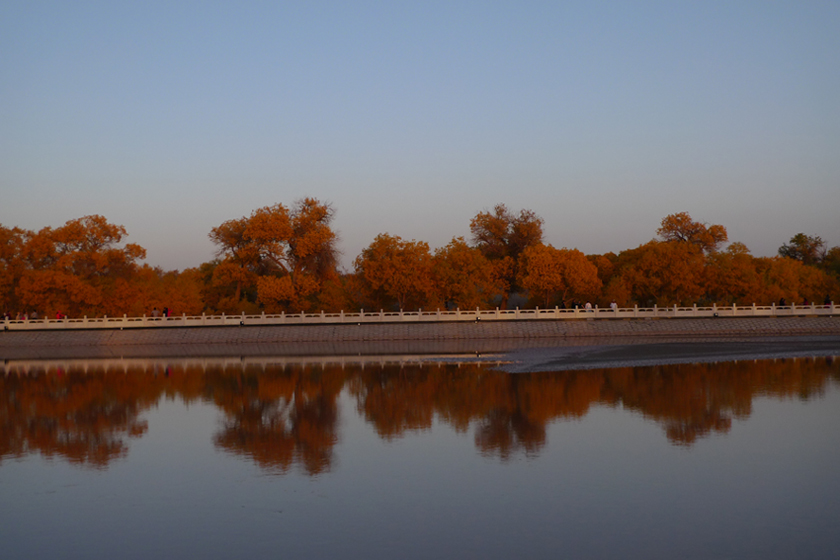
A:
<point x="431" y="316"/>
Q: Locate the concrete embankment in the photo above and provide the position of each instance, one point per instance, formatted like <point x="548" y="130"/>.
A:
<point x="484" y="336"/>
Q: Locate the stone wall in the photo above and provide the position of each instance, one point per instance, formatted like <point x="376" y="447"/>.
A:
<point x="455" y="337"/>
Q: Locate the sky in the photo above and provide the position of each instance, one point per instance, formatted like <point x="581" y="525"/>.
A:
<point x="170" y="118"/>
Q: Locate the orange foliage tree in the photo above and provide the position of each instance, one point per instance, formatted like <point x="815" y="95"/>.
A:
<point x="663" y="273"/>
<point x="150" y="288"/>
<point x="810" y="249"/>
<point x="502" y="236"/>
<point x="731" y="276"/>
<point x="680" y="227"/>
<point x="393" y="273"/>
<point x="281" y="257"/>
<point x="464" y="277"/>
<point x="12" y="265"/>
<point x="548" y="273"/>
<point x="792" y="280"/>
<point x="76" y="268"/>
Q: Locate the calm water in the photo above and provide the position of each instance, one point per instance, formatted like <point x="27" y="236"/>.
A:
<point x="258" y="459"/>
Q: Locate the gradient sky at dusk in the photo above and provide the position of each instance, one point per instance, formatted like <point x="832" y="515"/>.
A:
<point x="411" y="117"/>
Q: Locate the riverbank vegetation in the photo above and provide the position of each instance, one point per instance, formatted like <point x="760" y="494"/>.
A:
<point x="286" y="259"/>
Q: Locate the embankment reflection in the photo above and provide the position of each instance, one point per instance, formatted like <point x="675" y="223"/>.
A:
<point x="281" y="416"/>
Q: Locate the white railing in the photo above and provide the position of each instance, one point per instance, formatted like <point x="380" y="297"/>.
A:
<point x="436" y="316"/>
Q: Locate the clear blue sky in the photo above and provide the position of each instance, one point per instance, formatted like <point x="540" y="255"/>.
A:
<point x="410" y="117"/>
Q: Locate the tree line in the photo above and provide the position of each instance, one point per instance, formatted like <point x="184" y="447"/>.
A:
<point x="285" y="258"/>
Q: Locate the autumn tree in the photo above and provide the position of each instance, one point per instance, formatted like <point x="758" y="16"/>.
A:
<point x="150" y="287"/>
<point x="805" y="248"/>
<point x="12" y="265"/>
<point x="793" y="280"/>
<point x="680" y="227"/>
<point x="76" y="268"/>
<point x="282" y="255"/>
<point x="731" y="276"/>
<point x="615" y="288"/>
<point x="502" y="237"/>
<point x="831" y="262"/>
<point x="396" y="273"/>
<point x="664" y="273"/>
<point x="464" y="277"/>
<point x="548" y="273"/>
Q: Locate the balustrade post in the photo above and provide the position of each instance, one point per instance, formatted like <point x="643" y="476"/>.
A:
<point x="203" y="318"/>
<point x="517" y="312"/>
<point x="654" y="310"/>
<point x="438" y="313"/>
<point x="753" y="308"/>
<point x="675" y="311"/>
<point x="694" y="308"/>
<point x="635" y="310"/>
<point x="734" y="310"/>
<point x="773" y="309"/>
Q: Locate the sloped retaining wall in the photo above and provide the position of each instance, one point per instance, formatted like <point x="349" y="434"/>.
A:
<point x="20" y="344"/>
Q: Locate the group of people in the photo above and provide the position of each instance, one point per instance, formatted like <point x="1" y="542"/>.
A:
<point x="24" y="316"/>
<point x="826" y="302"/>
<point x="587" y="306"/>
<point x="21" y="316"/>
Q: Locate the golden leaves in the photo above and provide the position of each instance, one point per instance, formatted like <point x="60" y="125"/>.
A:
<point x="282" y="255"/>
<point x="548" y="272"/>
<point x="398" y="272"/>
<point x="680" y="227"/>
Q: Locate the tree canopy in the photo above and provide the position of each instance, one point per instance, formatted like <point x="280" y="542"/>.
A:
<point x="680" y="227"/>
<point x="279" y="256"/>
<point x="805" y="248"/>
<point x="502" y="236"/>
<point x="284" y="259"/>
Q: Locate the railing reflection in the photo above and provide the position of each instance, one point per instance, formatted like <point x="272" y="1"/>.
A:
<point x="284" y="415"/>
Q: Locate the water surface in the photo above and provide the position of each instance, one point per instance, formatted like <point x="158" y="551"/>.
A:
<point x="265" y="458"/>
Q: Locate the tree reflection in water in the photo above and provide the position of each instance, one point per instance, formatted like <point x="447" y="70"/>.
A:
<point x="286" y="416"/>
<point x="278" y="417"/>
